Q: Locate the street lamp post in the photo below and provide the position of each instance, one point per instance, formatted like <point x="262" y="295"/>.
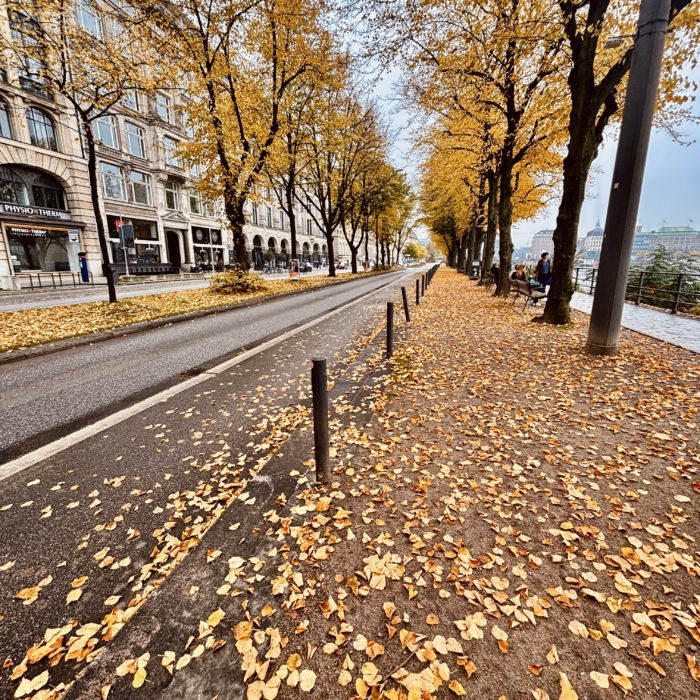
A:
<point x="628" y="175"/>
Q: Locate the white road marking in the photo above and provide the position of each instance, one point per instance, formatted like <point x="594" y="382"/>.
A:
<point x="53" y="448"/>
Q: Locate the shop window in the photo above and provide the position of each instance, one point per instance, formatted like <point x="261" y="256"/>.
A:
<point x="141" y="188"/>
<point x="172" y="196"/>
<point x="113" y="182"/>
<point x="49" y="193"/>
<point x="171" y="145"/>
<point x="106" y="131"/>
<point x="42" y="132"/>
<point x="5" y="122"/>
<point x="12" y="187"/>
<point x="88" y="18"/>
<point x="195" y="203"/>
<point x="164" y="105"/>
<point x="48" y="250"/>
<point x="135" y="140"/>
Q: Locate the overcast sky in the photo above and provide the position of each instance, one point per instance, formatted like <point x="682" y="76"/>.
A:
<point x="671" y="192"/>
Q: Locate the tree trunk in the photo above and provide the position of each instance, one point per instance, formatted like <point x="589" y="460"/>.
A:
<point x="505" y="221"/>
<point x="236" y="219"/>
<point x="365" y="233"/>
<point x="381" y="243"/>
<point x="331" y="253"/>
<point x="461" y="250"/>
<point x="491" y="219"/>
<point x="292" y="216"/>
<point x="353" y="258"/>
<point x="577" y="165"/>
<point x="97" y="211"/>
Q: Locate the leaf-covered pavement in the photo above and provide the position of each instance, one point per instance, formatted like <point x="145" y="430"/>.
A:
<point x="511" y="518"/>
<point x="22" y="329"/>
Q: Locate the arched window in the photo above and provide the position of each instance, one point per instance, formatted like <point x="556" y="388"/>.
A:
<point x="12" y="188"/>
<point x="283" y="246"/>
<point x="5" y="123"/>
<point x="271" y="245"/>
<point x="41" y="130"/>
<point x="48" y="193"/>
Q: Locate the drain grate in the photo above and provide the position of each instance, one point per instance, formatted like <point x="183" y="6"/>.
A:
<point x="192" y="372"/>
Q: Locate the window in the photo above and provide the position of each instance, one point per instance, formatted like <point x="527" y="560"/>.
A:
<point x="209" y="209"/>
<point x="5" y="123"/>
<point x="165" y="107"/>
<point x="106" y="131"/>
<point x="195" y="203"/>
<point x="48" y="193"/>
<point x="135" y="141"/>
<point x="113" y="182"/>
<point x="269" y="216"/>
<point x="12" y="188"/>
<point x="281" y="221"/>
<point x="25" y="30"/>
<point x="88" y="18"/>
<point x="172" y="196"/>
<point x="134" y="101"/>
<point x="308" y="227"/>
<point x="171" y="151"/>
<point x="41" y="130"/>
<point x="194" y="170"/>
<point x="254" y="208"/>
<point x="141" y="188"/>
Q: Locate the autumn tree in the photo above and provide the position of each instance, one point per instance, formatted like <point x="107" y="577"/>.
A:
<point x="93" y="67"/>
<point x="595" y="79"/>
<point x="343" y="142"/>
<point x="241" y="62"/>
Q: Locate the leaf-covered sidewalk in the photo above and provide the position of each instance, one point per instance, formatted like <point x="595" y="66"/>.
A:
<point x="511" y="518"/>
<point x="518" y="520"/>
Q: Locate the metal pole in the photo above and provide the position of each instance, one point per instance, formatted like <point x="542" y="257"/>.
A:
<point x="592" y="281"/>
<point x="674" y="310"/>
<point x="576" y="281"/>
<point x="417" y="292"/>
<point x="389" y="328"/>
<point x="405" y="304"/>
<point x="628" y="175"/>
<point x="640" y="287"/>
<point x="319" y="390"/>
<point x="422" y="285"/>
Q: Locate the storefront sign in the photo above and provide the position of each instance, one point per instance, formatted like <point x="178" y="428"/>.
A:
<point x="26" y="231"/>
<point x="31" y="211"/>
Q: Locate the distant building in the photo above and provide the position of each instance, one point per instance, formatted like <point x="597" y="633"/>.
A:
<point x="542" y="242"/>
<point x="674" y="238"/>
<point x="640" y="242"/>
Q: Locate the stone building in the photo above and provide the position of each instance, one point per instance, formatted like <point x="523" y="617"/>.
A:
<point x="46" y="215"/>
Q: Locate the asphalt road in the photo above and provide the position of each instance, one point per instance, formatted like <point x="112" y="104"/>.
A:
<point x="44" y="299"/>
<point x="88" y="518"/>
<point x="46" y="397"/>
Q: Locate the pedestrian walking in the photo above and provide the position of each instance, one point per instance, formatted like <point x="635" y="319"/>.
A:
<point x="542" y="271"/>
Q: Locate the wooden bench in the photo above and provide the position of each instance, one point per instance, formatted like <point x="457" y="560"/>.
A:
<point x="525" y="289"/>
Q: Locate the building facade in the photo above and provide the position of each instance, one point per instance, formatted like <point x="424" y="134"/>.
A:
<point x="542" y="242"/>
<point x="46" y="213"/>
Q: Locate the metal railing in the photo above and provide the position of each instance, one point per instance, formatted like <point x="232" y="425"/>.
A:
<point x="667" y="290"/>
<point x="54" y="280"/>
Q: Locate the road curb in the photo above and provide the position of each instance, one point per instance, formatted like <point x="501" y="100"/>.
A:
<point x="101" y="336"/>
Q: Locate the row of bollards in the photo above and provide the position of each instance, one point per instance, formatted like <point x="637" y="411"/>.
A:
<point x="319" y="381"/>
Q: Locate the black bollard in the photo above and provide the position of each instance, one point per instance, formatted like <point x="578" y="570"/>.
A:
<point x="422" y="285"/>
<point x="417" y="292"/>
<point x="319" y="390"/>
<point x="389" y="328"/>
<point x="405" y="304"/>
